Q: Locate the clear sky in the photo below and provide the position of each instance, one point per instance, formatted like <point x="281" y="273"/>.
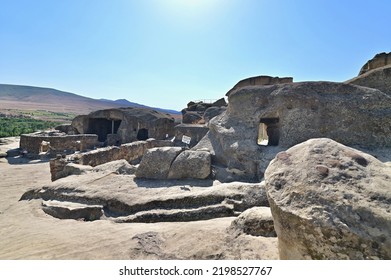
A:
<point x="166" y="53"/>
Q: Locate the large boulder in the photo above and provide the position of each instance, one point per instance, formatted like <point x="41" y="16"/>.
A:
<point x="219" y="103"/>
<point x="118" y="166"/>
<point x="330" y="201"/>
<point x="191" y="118"/>
<point x="191" y="164"/>
<point x="156" y="162"/>
<point x="256" y="221"/>
<point x="72" y="210"/>
<point x="194" y="113"/>
<point x="290" y="114"/>
<point x="212" y="112"/>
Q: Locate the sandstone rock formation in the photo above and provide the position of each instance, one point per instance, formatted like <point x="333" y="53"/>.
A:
<point x="256" y="221"/>
<point x="330" y="201"/>
<point x="290" y="114"/>
<point x="174" y="163"/>
<point x="118" y="166"/>
<point x="378" y="61"/>
<point x="212" y="112"/>
<point x="192" y="118"/>
<point x="378" y="78"/>
<point x="194" y="112"/>
<point x="195" y="131"/>
<point x="125" y="125"/>
<point x="66" y="128"/>
<point x="72" y="210"/>
<point x="61" y="168"/>
<point x="260" y="81"/>
<point x="156" y="162"/>
<point x="376" y="73"/>
<point x="195" y="118"/>
<point x="124" y="198"/>
<point x="191" y="164"/>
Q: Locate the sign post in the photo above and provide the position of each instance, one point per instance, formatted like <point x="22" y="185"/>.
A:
<point x="186" y="139"/>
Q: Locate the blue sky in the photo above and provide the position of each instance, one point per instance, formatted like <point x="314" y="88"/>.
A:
<point x="167" y="53"/>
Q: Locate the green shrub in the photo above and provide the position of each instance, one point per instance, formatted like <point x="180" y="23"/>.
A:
<point x="16" y="126"/>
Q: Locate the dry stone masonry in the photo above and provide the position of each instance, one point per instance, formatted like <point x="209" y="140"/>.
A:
<point x="54" y="142"/>
<point x="60" y="167"/>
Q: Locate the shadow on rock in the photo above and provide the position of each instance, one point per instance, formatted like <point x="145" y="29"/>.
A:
<point x="151" y="183"/>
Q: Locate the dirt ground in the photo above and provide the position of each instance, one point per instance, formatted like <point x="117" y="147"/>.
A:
<point x="26" y="232"/>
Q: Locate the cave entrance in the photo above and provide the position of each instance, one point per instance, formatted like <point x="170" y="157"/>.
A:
<point x="269" y="132"/>
<point x="142" y="134"/>
<point x="102" y="127"/>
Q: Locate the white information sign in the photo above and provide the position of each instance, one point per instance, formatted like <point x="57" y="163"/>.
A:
<point x="186" y="139"/>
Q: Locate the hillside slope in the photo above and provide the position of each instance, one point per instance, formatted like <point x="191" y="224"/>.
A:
<point x="37" y="98"/>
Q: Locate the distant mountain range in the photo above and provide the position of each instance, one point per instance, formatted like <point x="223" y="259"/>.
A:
<point x="37" y="98"/>
<point x="127" y="103"/>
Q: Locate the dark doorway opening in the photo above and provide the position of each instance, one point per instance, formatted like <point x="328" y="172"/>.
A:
<point x="102" y="127"/>
<point x="142" y="134"/>
<point x="269" y="132"/>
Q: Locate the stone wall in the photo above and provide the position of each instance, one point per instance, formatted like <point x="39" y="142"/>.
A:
<point x="57" y="166"/>
<point x="130" y="152"/>
<point x="58" y="142"/>
<point x="379" y="60"/>
<point x="260" y="81"/>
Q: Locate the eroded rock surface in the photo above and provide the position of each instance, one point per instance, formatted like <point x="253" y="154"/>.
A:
<point x="191" y="164"/>
<point x="175" y="163"/>
<point x="330" y="201"/>
<point x="292" y="113"/>
<point x="156" y="162"/>
<point x="378" y="61"/>
<point x="124" y="198"/>
<point x="256" y="221"/>
<point x="379" y="78"/>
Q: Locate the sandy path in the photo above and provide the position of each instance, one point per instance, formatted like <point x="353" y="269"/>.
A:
<point x="26" y="232"/>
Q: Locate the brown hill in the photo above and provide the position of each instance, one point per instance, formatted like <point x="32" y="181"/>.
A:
<point x="16" y="97"/>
